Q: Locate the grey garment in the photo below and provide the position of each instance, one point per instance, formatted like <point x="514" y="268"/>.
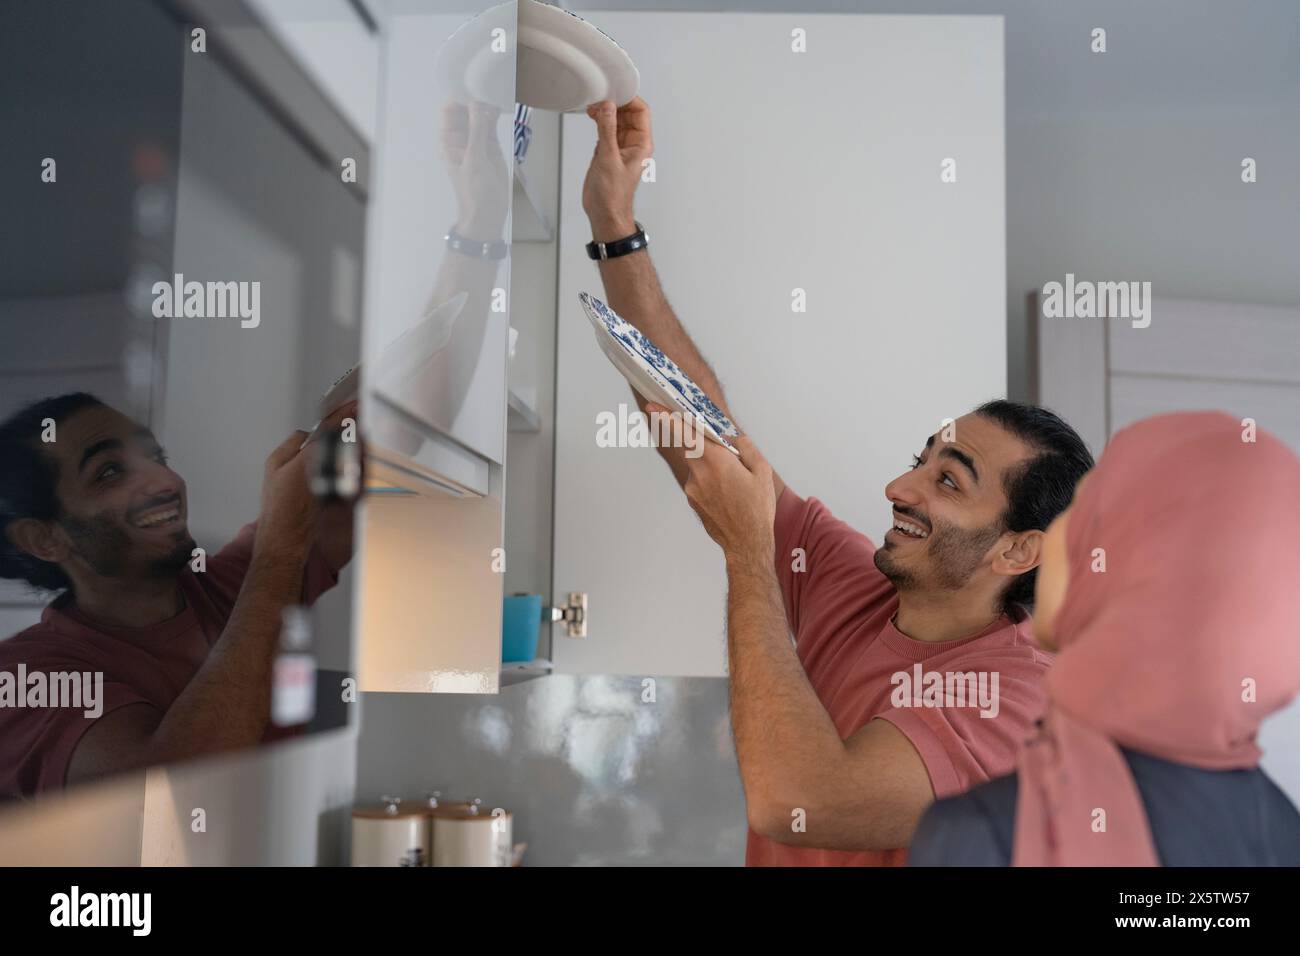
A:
<point x="1197" y="818"/>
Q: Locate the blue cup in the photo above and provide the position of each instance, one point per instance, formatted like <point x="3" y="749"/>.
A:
<point x="521" y="619"/>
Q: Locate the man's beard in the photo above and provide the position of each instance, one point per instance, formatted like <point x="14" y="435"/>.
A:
<point x="105" y="546"/>
<point x="955" y="555"/>
<point x="174" y="560"/>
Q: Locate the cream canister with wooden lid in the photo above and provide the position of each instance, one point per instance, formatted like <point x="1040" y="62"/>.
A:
<point x="469" y="834"/>
<point x="390" y="835"/>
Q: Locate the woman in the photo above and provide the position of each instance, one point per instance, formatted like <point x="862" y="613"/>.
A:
<point x="1171" y="590"/>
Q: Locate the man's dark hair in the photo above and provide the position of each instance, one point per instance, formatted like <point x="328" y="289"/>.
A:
<point x="1042" y="487"/>
<point x="27" y="484"/>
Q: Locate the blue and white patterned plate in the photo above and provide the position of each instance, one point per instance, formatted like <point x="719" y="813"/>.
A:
<point x="523" y="130"/>
<point x="654" y="375"/>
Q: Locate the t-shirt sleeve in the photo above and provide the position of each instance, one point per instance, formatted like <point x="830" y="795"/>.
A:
<point x="37" y="743"/>
<point x="816" y="554"/>
<point x="960" y="746"/>
<point x="232" y="563"/>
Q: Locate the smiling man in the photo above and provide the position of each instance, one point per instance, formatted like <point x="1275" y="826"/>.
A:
<point x="186" y="655"/>
<point x="837" y="765"/>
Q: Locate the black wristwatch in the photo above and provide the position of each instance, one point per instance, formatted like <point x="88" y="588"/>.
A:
<point x="619" y="247"/>
<point x="497" y="249"/>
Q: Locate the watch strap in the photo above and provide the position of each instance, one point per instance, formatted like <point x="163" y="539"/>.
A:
<point x="619" y="247"/>
<point x="497" y="249"/>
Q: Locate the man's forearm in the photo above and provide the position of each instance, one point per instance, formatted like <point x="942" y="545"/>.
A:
<point x="632" y="290"/>
<point x="476" y="277"/>
<point x="785" y="740"/>
<point x="228" y="702"/>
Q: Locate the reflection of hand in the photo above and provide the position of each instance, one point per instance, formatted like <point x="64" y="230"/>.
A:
<point x="623" y="142"/>
<point x="477" y="169"/>
<point x="284" y="526"/>
<point x="335" y="422"/>
<point x="288" y="506"/>
<point x="334" y="417"/>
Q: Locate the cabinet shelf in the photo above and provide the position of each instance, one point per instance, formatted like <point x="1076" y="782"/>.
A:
<point x="516" y="672"/>
<point x="521" y="415"/>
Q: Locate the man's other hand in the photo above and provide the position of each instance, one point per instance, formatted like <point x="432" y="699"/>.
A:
<point x="623" y="142"/>
<point x="734" y="497"/>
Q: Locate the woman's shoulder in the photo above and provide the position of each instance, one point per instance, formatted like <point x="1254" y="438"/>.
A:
<point x="975" y="828"/>
<point x="1202" y="817"/>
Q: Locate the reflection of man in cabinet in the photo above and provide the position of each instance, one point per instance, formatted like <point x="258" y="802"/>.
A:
<point x="841" y="737"/>
<point x="181" y="656"/>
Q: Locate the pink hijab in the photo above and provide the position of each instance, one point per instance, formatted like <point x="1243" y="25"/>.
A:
<point x="1181" y="648"/>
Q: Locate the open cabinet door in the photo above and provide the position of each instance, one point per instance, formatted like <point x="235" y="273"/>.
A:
<point x="435" y="354"/>
<point x="780" y="176"/>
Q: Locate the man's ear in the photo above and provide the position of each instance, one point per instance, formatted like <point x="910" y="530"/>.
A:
<point x="40" y="539"/>
<point x="1023" y="553"/>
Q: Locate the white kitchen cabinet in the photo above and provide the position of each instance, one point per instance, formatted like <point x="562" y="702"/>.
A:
<point x="754" y="197"/>
<point x="778" y="171"/>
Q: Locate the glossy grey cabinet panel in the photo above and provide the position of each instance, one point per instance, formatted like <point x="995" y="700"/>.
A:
<point x="592" y="774"/>
<point x="254" y="206"/>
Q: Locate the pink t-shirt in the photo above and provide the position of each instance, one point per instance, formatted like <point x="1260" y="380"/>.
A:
<point x="841" y="609"/>
<point x="149" y="664"/>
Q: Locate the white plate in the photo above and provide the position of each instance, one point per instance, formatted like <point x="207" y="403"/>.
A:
<point x="655" y="376"/>
<point x="345" y="388"/>
<point x="566" y="64"/>
<point x="400" y="360"/>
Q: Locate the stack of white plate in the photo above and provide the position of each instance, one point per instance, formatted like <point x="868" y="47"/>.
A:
<point x="564" y="63"/>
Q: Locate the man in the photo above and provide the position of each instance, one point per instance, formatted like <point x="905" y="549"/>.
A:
<point x="836" y="763"/>
<point x="186" y="656"/>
